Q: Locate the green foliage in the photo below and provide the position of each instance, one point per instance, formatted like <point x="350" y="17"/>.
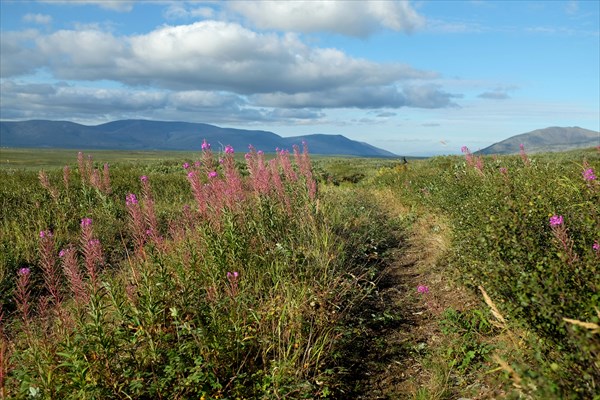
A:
<point x="239" y="299"/>
<point x="502" y="239"/>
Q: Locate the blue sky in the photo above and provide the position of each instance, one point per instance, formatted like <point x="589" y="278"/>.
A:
<point x="415" y="78"/>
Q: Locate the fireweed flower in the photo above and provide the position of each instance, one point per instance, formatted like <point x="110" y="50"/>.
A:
<point x="596" y="246"/>
<point x="24" y="271"/>
<point x="212" y="174"/>
<point x="186" y="165"/>
<point x="130" y="199"/>
<point x="86" y="222"/>
<point x="205" y="145"/>
<point x="228" y="149"/>
<point x="62" y="253"/>
<point x="144" y="178"/>
<point x="422" y="289"/>
<point x="556" y="220"/>
<point x="588" y="175"/>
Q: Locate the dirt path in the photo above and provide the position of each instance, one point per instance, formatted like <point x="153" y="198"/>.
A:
<point x="399" y="324"/>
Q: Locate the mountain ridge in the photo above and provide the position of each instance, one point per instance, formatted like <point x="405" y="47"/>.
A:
<point x="551" y="139"/>
<point x="140" y="134"/>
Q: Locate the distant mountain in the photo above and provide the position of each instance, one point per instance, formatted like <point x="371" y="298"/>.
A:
<point x="162" y="135"/>
<point x="546" y="140"/>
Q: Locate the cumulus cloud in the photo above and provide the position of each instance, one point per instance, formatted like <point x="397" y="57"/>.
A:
<point x="18" y="54"/>
<point x="41" y="19"/>
<point x="365" y="97"/>
<point x="211" y="55"/>
<point x="113" y="5"/>
<point x="66" y="101"/>
<point x="181" y="11"/>
<point x="352" y="18"/>
<point x="209" y="68"/>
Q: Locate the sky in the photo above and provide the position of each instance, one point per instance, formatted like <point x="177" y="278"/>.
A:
<point x="412" y="77"/>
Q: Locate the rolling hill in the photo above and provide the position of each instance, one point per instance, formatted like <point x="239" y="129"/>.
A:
<point x="163" y="135"/>
<point x="546" y="140"/>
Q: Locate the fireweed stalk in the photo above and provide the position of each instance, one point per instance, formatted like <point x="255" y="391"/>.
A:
<point x="70" y="267"/>
<point x="559" y="230"/>
<point x="49" y="266"/>
<point x="136" y="222"/>
<point x="523" y="155"/>
<point x="45" y="182"/>
<point x="233" y="278"/>
<point x="472" y="161"/>
<point x="92" y="251"/>
<point x="22" y="295"/>
<point x="150" y="213"/>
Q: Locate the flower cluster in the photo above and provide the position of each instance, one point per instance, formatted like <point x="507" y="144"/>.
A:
<point x="556" y="220"/>
<point x="588" y="175"/>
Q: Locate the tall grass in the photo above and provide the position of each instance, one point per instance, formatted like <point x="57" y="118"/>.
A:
<point x="527" y="229"/>
<point x="215" y="282"/>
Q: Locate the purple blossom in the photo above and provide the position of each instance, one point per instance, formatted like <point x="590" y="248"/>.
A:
<point x="144" y="178"/>
<point x="212" y="174"/>
<point x="596" y="246"/>
<point x="464" y="149"/>
<point x="186" y="165"/>
<point x="62" y="253"/>
<point x="190" y="174"/>
<point x="260" y="152"/>
<point x="422" y="289"/>
<point x="205" y="145"/>
<point x="232" y="276"/>
<point x="130" y="199"/>
<point x="522" y="147"/>
<point x="86" y="222"/>
<point x="197" y="164"/>
<point x="588" y="175"/>
<point x="42" y="234"/>
<point x="228" y="149"/>
<point x="24" y="271"/>
<point x="556" y="220"/>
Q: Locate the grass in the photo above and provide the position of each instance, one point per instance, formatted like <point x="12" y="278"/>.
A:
<point x="262" y="276"/>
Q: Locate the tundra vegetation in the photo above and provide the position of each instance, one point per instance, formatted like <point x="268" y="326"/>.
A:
<point x="217" y="275"/>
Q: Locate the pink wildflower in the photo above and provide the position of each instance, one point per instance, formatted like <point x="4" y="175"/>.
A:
<point x="556" y="220"/>
<point x="422" y="289"/>
<point x="130" y="199"/>
<point x="589" y="175"/>
<point x="205" y="145"/>
<point x="186" y="165"/>
<point x="228" y="149"/>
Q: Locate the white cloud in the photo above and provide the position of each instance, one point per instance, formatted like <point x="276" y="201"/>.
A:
<point x="181" y="11"/>
<point x="365" y="97"/>
<point x="210" y="55"/>
<point x="41" y="19"/>
<point x="114" y="5"/>
<point x="352" y="18"/>
<point x="18" y="54"/>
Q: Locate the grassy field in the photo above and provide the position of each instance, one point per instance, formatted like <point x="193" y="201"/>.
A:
<point x="205" y="275"/>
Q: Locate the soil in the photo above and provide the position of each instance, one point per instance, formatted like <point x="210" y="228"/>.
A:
<point x="398" y="325"/>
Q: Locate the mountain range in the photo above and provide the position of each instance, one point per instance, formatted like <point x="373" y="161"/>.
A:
<point x="546" y="140"/>
<point x="163" y="135"/>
